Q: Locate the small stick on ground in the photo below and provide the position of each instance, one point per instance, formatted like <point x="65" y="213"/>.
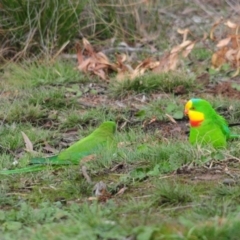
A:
<point x="232" y="157"/>
<point x="85" y="174"/>
<point x="171" y="118"/>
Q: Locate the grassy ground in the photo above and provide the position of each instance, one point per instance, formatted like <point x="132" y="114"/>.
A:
<point x="160" y="186"/>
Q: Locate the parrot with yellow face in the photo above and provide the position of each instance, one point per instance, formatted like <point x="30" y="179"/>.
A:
<point x="206" y="125"/>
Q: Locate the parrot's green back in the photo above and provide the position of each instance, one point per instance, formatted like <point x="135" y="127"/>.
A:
<point x="208" y="133"/>
<point x="102" y="137"/>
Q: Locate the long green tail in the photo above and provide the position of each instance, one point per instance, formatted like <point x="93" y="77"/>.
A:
<point x="28" y="169"/>
<point x="53" y="160"/>
<point x="37" y="164"/>
<point x="234" y="136"/>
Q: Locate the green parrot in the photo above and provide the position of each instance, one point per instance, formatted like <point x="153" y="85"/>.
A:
<point x="99" y="138"/>
<point x="206" y="125"/>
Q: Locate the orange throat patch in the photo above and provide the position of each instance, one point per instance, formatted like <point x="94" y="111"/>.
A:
<point x="195" y="123"/>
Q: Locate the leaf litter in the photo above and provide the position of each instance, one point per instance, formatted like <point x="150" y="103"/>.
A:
<point x="97" y="63"/>
<point x="228" y="47"/>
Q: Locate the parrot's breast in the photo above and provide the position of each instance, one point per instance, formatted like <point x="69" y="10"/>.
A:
<point x="195" y="123"/>
<point x="195" y="118"/>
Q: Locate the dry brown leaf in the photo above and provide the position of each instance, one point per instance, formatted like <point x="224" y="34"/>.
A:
<point x="205" y="36"/>
<point x="122" y="75"/>
<point x="50" y="149"/>
<point x="100" y="66"/>
<point x="177" y="49"/>
<point x="231" y="24"/>
<point x="185" y="44"/>
<point x="235" y="41"/>
<point x="102" y="56"/>
<point x="229" y="48"/>
<point x="84" y="65"/>
<point x="173" y="62"/>
<point x="122" y="57"/>
<point x="154" y="119"/>
<point x="100" y="73"/>
<point x="238" y="55"/>
<point x="230" y="55"/>
<point x="184" y="32"/>
<point x="218" y="58"/>
<point x="120" y="62"/>
<point x="137" y="73"/>
<point x="121" y="191"/>
<point x="92" y="62"/>
<point x="123" y="144"/>
<point x="212" y="37"/>
<point x="148" y="63"/>
<point x="88" y="158"/>
<point x="167" y="63"/>
<point x="143" y="64"/>
<point x="188" y="10"/>
<point x="214" y="60"/>
<point x="98" y="63"/>
<point x="28" y="143"/>
<point x="125" y="71"/>
<point x="188" y="49"/>
<point x="92" y="199"/>
<point x="153" y="64"/>
<point x="224" y="42"/>
<point x="88" y="46"/>
<point x="237" y="72"/>
<point x="141" y="68"/>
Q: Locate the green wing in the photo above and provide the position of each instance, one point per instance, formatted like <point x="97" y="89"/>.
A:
<point x="208" y="133"/>
<point x="213" y="131"/>
<point x="101" y="137"/>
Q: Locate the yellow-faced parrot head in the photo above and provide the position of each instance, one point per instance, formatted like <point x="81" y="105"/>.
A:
<point x="196" y="117"/>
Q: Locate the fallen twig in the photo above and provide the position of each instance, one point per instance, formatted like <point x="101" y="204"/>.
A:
<point x="85" y="174"/>
<point x="181" y="207"/>
<point x="170" y="118"/>
<point x="233" y="157"/>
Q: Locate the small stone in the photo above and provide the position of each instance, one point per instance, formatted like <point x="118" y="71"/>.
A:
<point x="228" y="181"/>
